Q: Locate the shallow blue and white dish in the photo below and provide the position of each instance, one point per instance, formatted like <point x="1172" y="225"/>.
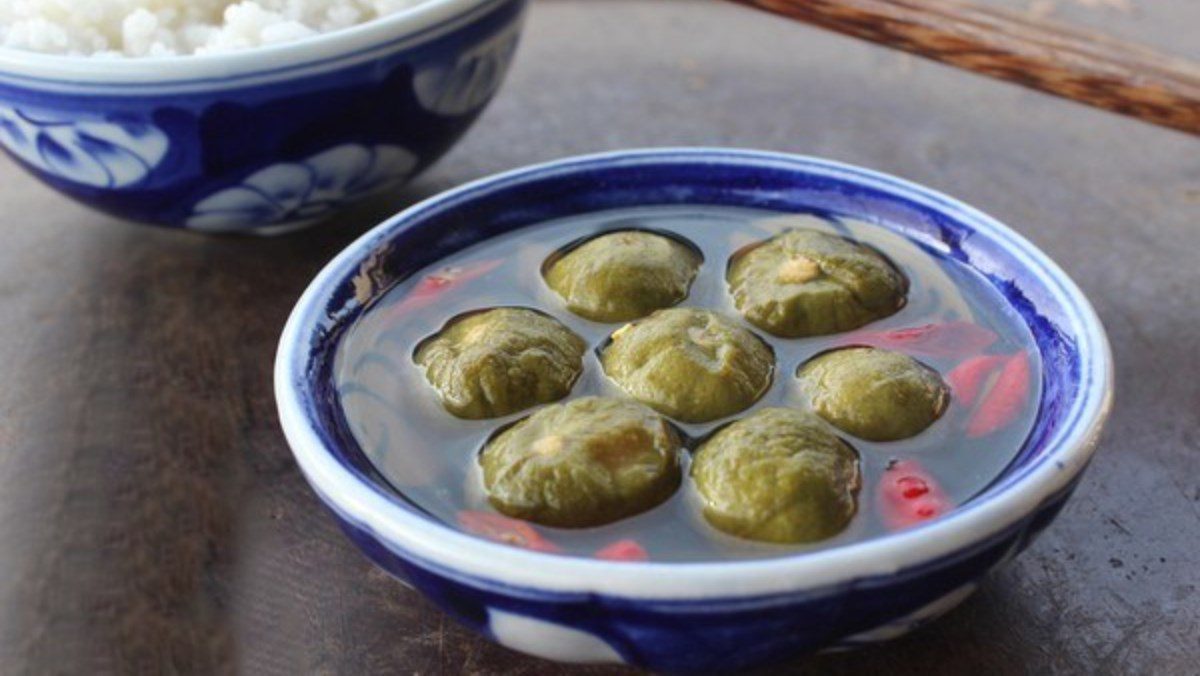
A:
<point x="697" y="616"/>
<point x="264" y="140"/>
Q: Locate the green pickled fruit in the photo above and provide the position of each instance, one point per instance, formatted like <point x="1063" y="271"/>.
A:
<point x="874" y="394"/>
<point x="586" y="462"/>
<point x="624" y="275"/>
<point x="809" y="283"/>
<point x="692" y="365"/>
<point x="498" y="362"/>
<point x="777" y="476"/>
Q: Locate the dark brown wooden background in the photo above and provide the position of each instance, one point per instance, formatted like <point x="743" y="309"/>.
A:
<point x="152" y="519"/>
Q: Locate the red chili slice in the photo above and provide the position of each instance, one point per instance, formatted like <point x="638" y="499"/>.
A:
<point x="1005" y="400"/>
<point x="504" y="530"/>
<point x="951" y="339"/>
<point x="623" y="550"/>
<point x="432" y="286"/>
<point x="909" y="495"/>
<point x="968" y="378"/>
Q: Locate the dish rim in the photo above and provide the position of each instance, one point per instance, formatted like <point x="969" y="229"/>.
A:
<point x="476" y="561"/>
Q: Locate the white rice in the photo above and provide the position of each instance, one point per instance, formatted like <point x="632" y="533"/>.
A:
<point x="136" y="28"/>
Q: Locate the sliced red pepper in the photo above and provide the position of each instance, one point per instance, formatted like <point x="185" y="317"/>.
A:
<point x="1005" y="400"/>
<point x="968" y="378"/>
<point x="502" y="529"/>
<point x="909" y="495"/>
<point x="623" y="550"/>
<point x="950" y="339"/>
<point x="432" y="286"/>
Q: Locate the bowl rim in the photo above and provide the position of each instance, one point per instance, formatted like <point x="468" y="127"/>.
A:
<point x="231" y="67"/>
<point x="479" y="562"/>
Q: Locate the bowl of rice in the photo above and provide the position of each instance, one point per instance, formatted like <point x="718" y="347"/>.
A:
<point x="258" y="116"/>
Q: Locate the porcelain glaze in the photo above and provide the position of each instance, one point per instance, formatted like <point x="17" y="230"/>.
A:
<point x="271" y="138"/>
<point x="697" y="616"/>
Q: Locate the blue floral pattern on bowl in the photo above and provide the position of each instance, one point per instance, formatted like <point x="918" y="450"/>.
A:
<point x="266" y="140"/>
<point x="710" y="616"/>
<point x="457" y="87"/>
<point x="297" y="193"/>
<point x="109" y="153"/>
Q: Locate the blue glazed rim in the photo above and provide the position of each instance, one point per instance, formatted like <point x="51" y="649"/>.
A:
<point x="339" y="293"/>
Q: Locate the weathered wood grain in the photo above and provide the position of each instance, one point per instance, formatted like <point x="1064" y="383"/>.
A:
<point x="1086" y="67"/>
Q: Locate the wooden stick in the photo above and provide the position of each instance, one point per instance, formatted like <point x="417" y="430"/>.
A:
<point x="1086" y="67"/>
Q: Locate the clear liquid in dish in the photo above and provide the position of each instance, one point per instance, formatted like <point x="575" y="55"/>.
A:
<point x="430" y="456"/>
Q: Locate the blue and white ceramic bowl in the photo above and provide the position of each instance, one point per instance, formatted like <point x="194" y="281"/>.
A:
<point x="697" y="616"/>
<point x="263" y="140"/>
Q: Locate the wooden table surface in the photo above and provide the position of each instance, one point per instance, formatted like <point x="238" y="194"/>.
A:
<point x="152" y="519"/>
